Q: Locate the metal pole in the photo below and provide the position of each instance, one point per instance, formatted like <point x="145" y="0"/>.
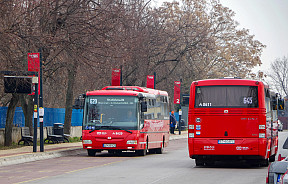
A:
<point x="35" y="117"/>
<point x="154" y="80"/>
<point x="180" y="111"/>
<point x="41" y="112"/>
<point x="120" y="75"/>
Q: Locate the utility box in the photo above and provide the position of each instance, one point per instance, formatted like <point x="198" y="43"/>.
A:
<point x="58" y="129"/>
<point x="17" y="84"/>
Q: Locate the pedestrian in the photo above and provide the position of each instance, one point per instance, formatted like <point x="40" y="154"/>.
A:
<point x="172" y="122"/>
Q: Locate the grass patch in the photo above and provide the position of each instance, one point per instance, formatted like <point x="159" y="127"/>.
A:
<point x="13" y="146"/>
<point x="75" y="139"/>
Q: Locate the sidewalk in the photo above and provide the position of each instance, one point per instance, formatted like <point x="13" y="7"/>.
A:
<point x="26" y="154"/>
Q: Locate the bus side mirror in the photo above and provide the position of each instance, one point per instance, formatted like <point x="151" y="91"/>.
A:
<point x="143" y="106"/>
<point x="285" y="145"/>
<point x="280" y="104"/>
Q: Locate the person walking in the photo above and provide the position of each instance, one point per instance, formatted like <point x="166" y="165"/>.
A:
<point x="172" y="122"/>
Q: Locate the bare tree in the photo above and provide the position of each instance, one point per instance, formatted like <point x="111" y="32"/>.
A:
<point x="279" y="75"/>
<point x="82" y="40"/>
<point x="9" y="119"/>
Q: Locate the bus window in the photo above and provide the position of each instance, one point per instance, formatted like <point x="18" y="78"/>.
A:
<point x="226" y="96"/>
<point x="111" y="111"/>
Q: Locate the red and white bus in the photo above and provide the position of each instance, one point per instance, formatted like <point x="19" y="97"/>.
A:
<point x="232" y="119"/>
<point x="125" y="118"/>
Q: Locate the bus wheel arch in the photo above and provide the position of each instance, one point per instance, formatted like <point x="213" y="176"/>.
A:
<point x="143" y="152"/>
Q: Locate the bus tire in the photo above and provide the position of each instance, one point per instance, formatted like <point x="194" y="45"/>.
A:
<point x="272" y="158"/>
<point x="199" y="162"/>
<point x="161" y="149"/>
<point x="112" y="152"/>
<point x="264" y="163"/>
<point x="210" y="163"/>
<point x="144" y="151"/>
<point x="91" y="152"/>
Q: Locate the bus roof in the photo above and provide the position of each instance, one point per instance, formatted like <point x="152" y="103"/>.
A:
<point x="227" y="81"/>
<point x="126" y="90"/>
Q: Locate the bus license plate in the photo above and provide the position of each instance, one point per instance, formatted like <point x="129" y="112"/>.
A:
<point x="226" y="141"/>
<point x="109" y="145"/>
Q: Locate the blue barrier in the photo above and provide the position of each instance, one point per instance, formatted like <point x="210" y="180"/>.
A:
<point x="176" y="114"/>
<point x="51" y="116"/>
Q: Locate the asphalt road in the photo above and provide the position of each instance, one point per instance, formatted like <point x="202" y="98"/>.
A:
<point x="173" y="166"/>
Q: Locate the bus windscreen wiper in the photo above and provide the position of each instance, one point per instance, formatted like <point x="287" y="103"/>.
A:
<point x="109" y="127"/>
<point x="96" y="128"/>
<point x="118" y="128"/>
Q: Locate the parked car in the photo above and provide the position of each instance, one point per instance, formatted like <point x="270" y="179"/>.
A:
<point x="278" y="170"/>
<point x="280" y="125"/>
<point x="285" y="178"/>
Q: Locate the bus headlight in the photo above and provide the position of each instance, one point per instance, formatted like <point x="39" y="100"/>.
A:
<point x="131" y="142"/>
<point x="87" y="142"/>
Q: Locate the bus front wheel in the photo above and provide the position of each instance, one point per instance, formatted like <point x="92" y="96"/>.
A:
<point x="144" y="151"/>
<point x="91" y="152"/>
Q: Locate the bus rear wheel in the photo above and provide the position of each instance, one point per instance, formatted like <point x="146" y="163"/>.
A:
<point x="264" y="163"/>
<point x="272" y="158"/>
<point x="160" y="150"/>
<point x="199" y="162"/>
<point x="260" y="163"/>
<point x="210" y="163"/>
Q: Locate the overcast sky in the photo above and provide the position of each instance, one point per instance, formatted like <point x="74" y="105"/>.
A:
<point x="267" y="20"/>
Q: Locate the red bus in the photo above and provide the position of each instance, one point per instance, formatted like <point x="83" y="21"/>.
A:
<point x="125" y="118"/>
<point x="232" y="119"/>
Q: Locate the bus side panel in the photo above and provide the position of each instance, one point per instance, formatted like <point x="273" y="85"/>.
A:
<point x="263" y="148"/>
<point x="156" y="131"/>
<point x="190" y="146"/>
<point x="274" y="146"/>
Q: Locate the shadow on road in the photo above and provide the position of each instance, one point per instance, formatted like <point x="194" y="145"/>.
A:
<point x="232" y="164"/>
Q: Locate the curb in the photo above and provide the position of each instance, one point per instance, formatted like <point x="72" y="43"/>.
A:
<point x="30" y="157"/>
<point x="38" y="156"/>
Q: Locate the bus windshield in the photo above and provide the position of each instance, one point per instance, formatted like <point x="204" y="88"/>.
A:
<point x="226" y="97"/>
<point x="111" y="112"/>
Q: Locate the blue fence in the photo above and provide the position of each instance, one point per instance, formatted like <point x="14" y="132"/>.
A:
<point x="51" y="116"/>
<point x="176" y="114"/>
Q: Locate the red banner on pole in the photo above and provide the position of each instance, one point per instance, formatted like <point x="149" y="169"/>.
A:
<point x="150" y="81"/>
<point x="33" y="62"/>
<point x="116" y="77"/>
<point x="177" y="85"/>
<point x="34" y="66"/>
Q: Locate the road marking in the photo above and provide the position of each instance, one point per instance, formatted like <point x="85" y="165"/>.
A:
<point x="32" y="180"/>
<point x="68" y="172"/>
<point x="94" y="166"/>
